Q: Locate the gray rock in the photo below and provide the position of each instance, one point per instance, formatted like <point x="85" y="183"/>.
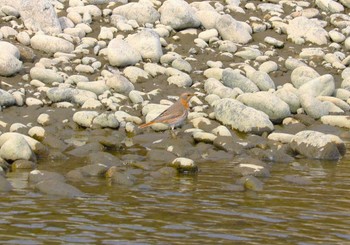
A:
<point x="243" y="118"/>
<point x="317" y="145"/>
<point x="37" y="16"/>
<point x="346" y="3"/>
<point x="123" y="178"/>
<point x="5" y="185"/>
<point x="268" y="66"/>
<point x="298" y="180"/>
<point x="9" y="48"/>
<point x="227" y="46"/>
<point x="58" y="188"/>
<point x="182" y="65"/>
<point x="16" y="148"/>
<point x="180" y="79"/>
<point x="9" y="64"/>
<point x="93" y="170"/>
<point x="23" y="164"/>
<point x="106" y="120"/>
<point x="85" y="118"/>
<point x="234" y="79"/>
<point x="35" y="145"/>
<point x="251" y="183"/>
<point x="97" y="87"/>
<point x="302" y="75"/>
<point x="69" y="95"/>
<point x="301" y="29"/>
<point x="292" y="99"/>
<point x="213" y="86"/>
<point x="330" y="6"/>
<point x="248" y="53"/>
<point x="147" y="43"/>
<point x="6" y="99"/>
<point x="336" y="101"/>
<point x="323" y="85"/>
<point x="164" y="173"/>
<point x="233" y="30"/>
<point x="46" y="76"/>
<point x="178" y="14"/>
<point x="292" y="63"/>
<point x="262" y="80"/>
<point x="120" y="53"/>
<point x="312" y="106"/>
<point x="204" y="137"/>
<point x="142" y="12"/>
<point x="37" y="176"/>
<point x="50" y="44"/>
<point x="269" y="103"/>
<point x="245" y="169"/>
<point x="119" y="83"/>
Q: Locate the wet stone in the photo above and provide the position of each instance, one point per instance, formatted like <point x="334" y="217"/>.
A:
<point x="37" y="176"/>
<point x="184" y="165"/>
<point x="5" y="185"/>
<point x="297" y="180"/>
<point x="245" y="169"/>
<point x="23" y="164"/>
<point x="251" y="183"/>
<point x="58" y="188"/>
<point x="164" y="173"/>
<point x="123" y="179"/>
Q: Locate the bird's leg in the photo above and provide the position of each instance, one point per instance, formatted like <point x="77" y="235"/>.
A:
<point x="173" y="134"/>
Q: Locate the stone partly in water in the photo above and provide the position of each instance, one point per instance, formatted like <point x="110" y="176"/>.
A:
<point x="184" y="165"/>
<point x="58" y="188"/>
<point x="313" y="144"/>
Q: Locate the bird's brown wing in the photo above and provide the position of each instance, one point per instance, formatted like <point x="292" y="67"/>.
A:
<point x="173" y="112"/>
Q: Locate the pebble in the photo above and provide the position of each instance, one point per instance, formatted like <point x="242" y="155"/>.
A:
<point x="135" y="74"/>
<point x="184" y="165"/>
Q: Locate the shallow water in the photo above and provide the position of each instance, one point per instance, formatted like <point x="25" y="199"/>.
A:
<point x="187" y="209"/>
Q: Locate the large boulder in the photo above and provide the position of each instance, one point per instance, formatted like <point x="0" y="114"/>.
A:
<point x="317" y="145"/>
<point x="37" y="15"/>
<point x="9" y="59"/>
<point x="142" y="12"/>
<point x="147" y="43"/>
<point x="241" y="117"/>
<point x="121" y="53"/>
<point x="271" y="104"/>
<point x="233" y="30"/>
<point x="178" y="14"/>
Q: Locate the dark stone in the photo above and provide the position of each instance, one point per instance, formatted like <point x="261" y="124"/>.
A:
<point x="5" y="185"/>
<point x="104" y="158"/>
<point x="83" y="151"/>
<point x="23" y="164"/>
<point x="37" y="176"/>
<point x="160" y="156"/>
<point x="298" y="180"/>
<point x="58" y="188"/>
<point x="228" y="144"/>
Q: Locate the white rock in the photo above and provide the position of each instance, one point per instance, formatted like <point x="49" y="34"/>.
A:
<point x="92" y="104"/>
<point x="154" y="69"/>
<point x="243" y="118"/>
<point x="84" y="118"/>
<point x="323" y="85"/>
<point x="46" y="76"/>
<point x="120" y="53"/>
<point x="24" y="38"/>
<point x="147" y="43"/>
<point x="9" y="64"/>
<point x="142" y="12"/>
<point x="214" y="87"/>
<point x="204" y="137"/>
<point x="106" y="120"/>
<point x="135" y="97"/>
<point x="268" y="66"/>
<point x="222" y="131"/>
<point x="37" y="132"/>
<point x="17" y="126"/>
<point x="182" y="65"/>
<point x="281" y="137"/>
<point x="16" y="148"/>
<point x="207" y="18"/>
<point x="134" y="73"/>
<point x="268" y="103"/>
<point x="233" y="78"/>
<point x="97" y="87"/>
<point x="119" y="83"/>
<point x="330" y="6"/>
<point x="208" y="34"/>
<point x="233" y="30"/>
<point x="336" y="36"/>
<point x="50" y="44"/>
<point x="312" y="106"/>
<point x="181" y="80"/>
<point x="302" y="28"/>
<point x="336" y="101"/>
<point x="292" y="99"/>
<point x="30" y="101"/>
<point x="213" y="73"/>
<point x="337" y="121"/>
<point x="6" y="99"/>
<point x="262" y="80"/>
<point x="178" y="14"/>
<point x="84" y="69"/>
<point x="9" y="48"/>
<point x="302" y="75"/>
<point x="292" y="63"/>
<point x="248" y="53"/>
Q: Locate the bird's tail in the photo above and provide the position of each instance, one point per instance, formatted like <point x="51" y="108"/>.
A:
<point x="146" y="125"/>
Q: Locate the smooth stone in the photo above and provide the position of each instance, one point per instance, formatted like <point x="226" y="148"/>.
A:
<point x="15" y="127"/>
<point x="23" y="164"/>
<point x="245" y="169"/>
<point x="9" y="48"/>
<point x="34" y="145"/>
<point x="302" y="75"/>
<point x="292" y="63"/>
<point x="214" y="87"/>
<point x="106" y="120"/>
<point x="251" y="183"/>
<point x="178" y="14"/>
<point x="268" y="66"/>
<point x="30" y="101"/>
<point x="182" y="65"/>
<point x="69" y="95"/>
<point x="281" y="137"/>
<point x="6" y="99"/>
<point x="120" y="53"/>
<point x="243" y="118"/>
<point x="208" y="34"/>
<point x="221" y="131"/>
<point x="207" y="18"/>
<point x="180" y="80"/>
<point x="268" y="103"/>
<point x="37" y="132"/>
<point x="51" y="44"/>
<point x="9" y="64"/>
<point x="84" y="69"/>
<point x="136" y="96"/>
<point x="292" y="99"/>
<point x="142" y="12"/>
<point x="119" y="84"/>
<point x="147" y="43"/>
<point x="36" y="176"/>
<point x="273" y="41"/>
<point x="227" y="46"/>
<point x="312" y="106"/>
<point x="58" y="188"/>
<point x="85" y="118"/>
<point x="135" y="74"/>
<point x="204" y="137"/>
<point x="93" y="170"/>
<point x="301" y="29"/>
<point x="233" y="78"/>
<point x="233" y="30"/>
<point x="336" y="101"/>
<point x="330" y="6"/>
<point x="46" y="76"/>
<point x="213" y="73"/>
<point x="92" y="104"/>
<point x="262" y="80"/>
<point x="336" y="120"/>
<point x="16" y="148"/>
<point x="248" y="53"/>
<point x="323" y="85"/>
<point x="154" y="69"/>
<point x="184" y="165"/>
<point x="317" y="145"/>
<point x="97" y="87"/>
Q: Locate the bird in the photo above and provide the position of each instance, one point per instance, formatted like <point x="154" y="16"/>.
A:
<point x="175" y="115"/>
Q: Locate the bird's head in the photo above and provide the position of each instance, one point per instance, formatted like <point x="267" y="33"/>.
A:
<point x="185" y="98"/>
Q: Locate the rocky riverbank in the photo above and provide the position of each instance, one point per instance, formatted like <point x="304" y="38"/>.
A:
<point x="271" y="81"/>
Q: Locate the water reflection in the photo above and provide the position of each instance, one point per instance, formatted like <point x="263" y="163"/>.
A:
<point x="187" y="209"/>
